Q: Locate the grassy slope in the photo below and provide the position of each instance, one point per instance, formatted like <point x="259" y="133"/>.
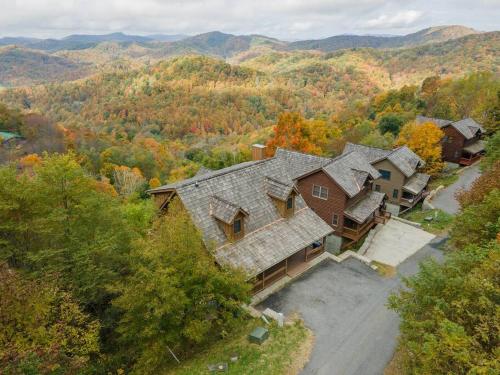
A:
<point x="284" y="353"/>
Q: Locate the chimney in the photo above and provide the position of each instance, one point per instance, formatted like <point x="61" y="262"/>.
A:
<point x="258" y="152"/>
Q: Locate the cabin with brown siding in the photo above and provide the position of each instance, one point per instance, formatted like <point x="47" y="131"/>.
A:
<point x="252" y="216"/>
<point x="400" y="178"/>
<point x="462" y="142"/>
<point x="339" y="191"/>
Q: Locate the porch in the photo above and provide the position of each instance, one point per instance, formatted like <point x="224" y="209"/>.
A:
<point x="409" y="200"/>
<point x="354" y="231"/>
<point x="291" y="266"/>
<point x="414" y="190"/>
<point x="472" y="153"/>
<point x="469" y="159"/>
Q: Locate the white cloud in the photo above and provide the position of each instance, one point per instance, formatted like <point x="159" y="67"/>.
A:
<point x="286" y="19"/>
<point x="401" y="19"/>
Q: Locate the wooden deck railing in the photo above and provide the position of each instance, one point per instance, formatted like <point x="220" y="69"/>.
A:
<point x="357" y="233"/>
<point x="413" y="201"/>
<point x="383" y="217"/>
<point x="469" y="161"/>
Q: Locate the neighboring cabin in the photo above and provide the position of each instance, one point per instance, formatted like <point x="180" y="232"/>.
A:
<point x="8" y="139"/>
<point x="252" y="216"/>
<point x="462" y="142"/>
<point x="340" y="191"/>
<point x="399" y="176"/>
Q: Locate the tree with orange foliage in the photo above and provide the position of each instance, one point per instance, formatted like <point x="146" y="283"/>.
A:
<point x="29" y="161"/>
<point x="425" y="141"/>
<point x="293" y="132"/>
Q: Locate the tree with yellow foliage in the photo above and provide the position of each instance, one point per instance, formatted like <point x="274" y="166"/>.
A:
<point x="154" y="183"/>
<point x="425" y="141"/>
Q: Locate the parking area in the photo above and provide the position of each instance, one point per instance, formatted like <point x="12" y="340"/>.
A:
<point x="344" y="305"/>
<point x="396" y="241"/>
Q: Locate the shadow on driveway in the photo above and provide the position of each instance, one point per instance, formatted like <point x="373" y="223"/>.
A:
<point x="344" y="304"/>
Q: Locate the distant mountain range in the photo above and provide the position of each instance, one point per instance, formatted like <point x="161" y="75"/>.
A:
<point x="425" y="36"/>
<point x="83" y="41"/>
<point x="226" y="45"/>
<point x="34" y="61"/>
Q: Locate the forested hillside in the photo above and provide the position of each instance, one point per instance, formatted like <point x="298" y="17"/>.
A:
<point x="93" y="281"/>
<point x="454" y="46"/>
<point x="21" y="66"/>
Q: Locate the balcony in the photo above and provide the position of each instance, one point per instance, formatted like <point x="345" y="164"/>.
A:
<point x="355" y="233"/>
<point x="410" y="202"/>
<point x="383" y="217"/>
<point x="468" y="160"/>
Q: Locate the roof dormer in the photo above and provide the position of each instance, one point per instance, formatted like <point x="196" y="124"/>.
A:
<point x="230" y="216"/>
<point x="283" y="196"/>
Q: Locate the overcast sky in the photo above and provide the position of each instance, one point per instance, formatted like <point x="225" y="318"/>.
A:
<point x="285" y="19"/>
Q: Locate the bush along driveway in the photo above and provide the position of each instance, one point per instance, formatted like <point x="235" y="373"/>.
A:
<point x="345" y="306"/>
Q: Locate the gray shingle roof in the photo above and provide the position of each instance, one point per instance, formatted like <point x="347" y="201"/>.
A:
<point x="349" y="171"/>
<point x="476" y="147"/>
<point x="218" y="195"/>
<point x="468" y="127"/>
<point x="363" y="208"/>
<point x="269" y="245"/>
<point x="278" y="189"/>
<point x="405" y="160"/>
<point x="439" y="122"/>
<point x="299" y="163"/>
<point x="402" y="157"/>
<point x="372" y="154"/>
<point x="224" y="210"/>
<point x="416" y="183"/>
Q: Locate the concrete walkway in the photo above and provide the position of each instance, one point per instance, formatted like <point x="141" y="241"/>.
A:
<point x="445" y="199"/>
<point x="395" y="241"/>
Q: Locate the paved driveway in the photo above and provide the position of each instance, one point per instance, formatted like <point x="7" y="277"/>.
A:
<point x="445" y="199"/>
<point x="395" y="241"/>
<point x="344" y="304"/>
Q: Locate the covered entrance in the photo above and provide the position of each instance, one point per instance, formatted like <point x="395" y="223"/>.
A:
<point x="292" y="266"/>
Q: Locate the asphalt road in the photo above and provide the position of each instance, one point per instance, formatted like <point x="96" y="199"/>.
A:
<point x="344" y="304"/>
<point x="445" y="199"/>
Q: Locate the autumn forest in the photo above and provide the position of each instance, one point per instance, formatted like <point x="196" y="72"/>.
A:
<point x="78" y="230"/>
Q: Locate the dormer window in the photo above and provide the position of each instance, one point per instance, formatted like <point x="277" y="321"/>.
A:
<point x="283" y="196"/>
<point x="231" y="217"/>
<point x="237" y="226"/>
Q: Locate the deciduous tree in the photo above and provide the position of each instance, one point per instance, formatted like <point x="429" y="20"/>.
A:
<point x="176" y="296"/>
<point x="425" y="141"/>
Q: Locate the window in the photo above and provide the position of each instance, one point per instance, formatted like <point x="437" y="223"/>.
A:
<point x="289" y="203"/>
<point x="386" y="175"/>
<point x="377" y="187"/>
<point x="237" y="226"/>
<point x="335" y="219"/>
<point x="320" y="192"/>
<point x="395" y="193"/>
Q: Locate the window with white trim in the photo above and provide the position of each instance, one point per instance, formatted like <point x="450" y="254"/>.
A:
<point x="335" y="219"/>
<point x="320" y="192"/>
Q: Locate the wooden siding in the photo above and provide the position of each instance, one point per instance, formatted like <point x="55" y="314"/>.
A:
<point x="160" y="198"/>
<point x="453" y="143"/>
<point x="324" y="208"/>
<point x="281" y="206"/>
<point x="228" y="228"/>
<point x="398" y="179"/>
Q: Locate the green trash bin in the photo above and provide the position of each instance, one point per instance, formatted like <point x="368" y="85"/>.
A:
<point x="258" y="335"/>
